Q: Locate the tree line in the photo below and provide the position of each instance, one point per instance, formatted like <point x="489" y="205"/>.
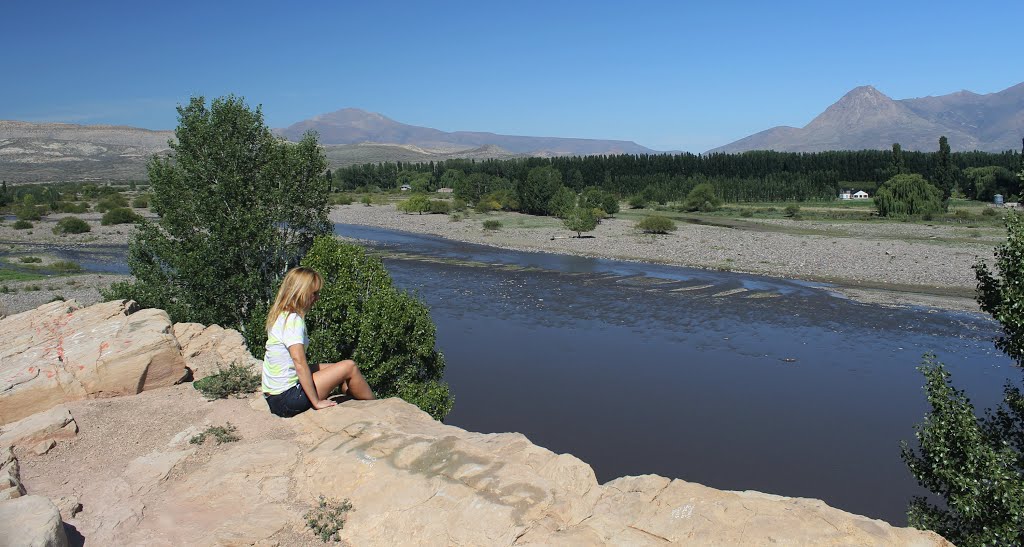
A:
<point x="755" y="176"/>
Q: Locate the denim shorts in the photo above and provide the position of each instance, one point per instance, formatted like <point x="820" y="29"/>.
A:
<point x="290" y="402"/>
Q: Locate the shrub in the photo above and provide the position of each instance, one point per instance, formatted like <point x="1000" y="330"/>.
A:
<point x="111" y="202"/>
<point x="74" y="208"/>
<point x="22" y="224"/>
<point x="120" y="215"/>
<point x="791" y="210"/>
<point x="341" y="199"/>
<point x="458" y="205"/>
<point x="65" y="266"/>
<point x="236" y="380"/>
<point x="746" y="213"/>
<point x="656" y="224"/>
<point x="328" y="518"/>
<point x="439" y="207"/>
<point x="29" y="259"/>
<point x="367" y="200"/>
<point x="961" y="215"/>
<point x="141" y="202"/>
<point x="71" y="225"/>
<point x="222" y="434"/>
<point x="637" y="202"/>
<point x="486" y="205"/>
<point x="988" y="212"/>
<point x="702" y="198"/>
<point x="492" y="225"/>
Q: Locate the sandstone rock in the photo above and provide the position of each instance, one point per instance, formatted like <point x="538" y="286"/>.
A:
<point x="59" y="352"/>
<point x="413" y="480"/>
<point x="42" y="447"/>
<point x="208" y="349"/>
<point x="56" y="423"/>
<point x="31" y="520"/>
<point x="10" y="475"/>
<point x="69" y="506"/>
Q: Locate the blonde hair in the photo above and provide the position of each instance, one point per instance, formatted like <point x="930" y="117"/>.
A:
<point x="295" y="294"/>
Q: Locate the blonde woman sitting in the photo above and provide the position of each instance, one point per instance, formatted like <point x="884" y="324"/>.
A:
<point x="290" y="385"/>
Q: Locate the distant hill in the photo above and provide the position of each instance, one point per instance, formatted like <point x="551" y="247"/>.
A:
<point x="865" y="118"/>
<point x="58" y="151"/>
<point x="343" y="155"/>
<point x="352" y="126"/>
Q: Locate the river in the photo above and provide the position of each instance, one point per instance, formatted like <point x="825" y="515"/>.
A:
<point x="734" y="381"/>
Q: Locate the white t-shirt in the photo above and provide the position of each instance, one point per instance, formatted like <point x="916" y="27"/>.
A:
<point x="278" y="367"/>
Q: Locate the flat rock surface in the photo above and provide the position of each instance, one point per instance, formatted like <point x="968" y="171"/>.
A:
<point x="411" y="480"/>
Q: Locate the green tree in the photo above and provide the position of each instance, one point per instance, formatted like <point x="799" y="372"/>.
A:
<point x="451" y="178"/>
<point x="983" y="183"/>
<point x="897" y="165"/>
<point x="237" y="207"/>
<point x="562" y="203"/>
<point x="908" y="195"/>
<point x="580" y="219"/>
<point x="945" y="177"/>
<point x="976" y="464"/>
<point x="536" y="191"/>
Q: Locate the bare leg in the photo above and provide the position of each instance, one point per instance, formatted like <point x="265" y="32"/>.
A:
<point x="345" y="374"/>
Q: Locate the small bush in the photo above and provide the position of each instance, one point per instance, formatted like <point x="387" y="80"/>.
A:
<point x="792" y="210"/>
<point x="961" y="215"/>
<point x="746" y="213"/>
<point x="65" y="266"/>
<point x="111" y="202"/>
<point x="236" y="380"/>
<point x="30" y="259"/>
<point x="328" y="518"/>
<point x="141" y="202"/>
<point x="487" y="205"/>
<point x="120" y="215"/>
<point x="72" y="207"/>
<point x="22" y="224"/>
<point x="223" y="434"/>
<point x="58" y="298"/>
<point x="439" y="207"/>
<point x="492" y="225"/>
<point x="656" y="224"/>
<point x="71" y="225"/>
<point x="637" y="202"/>
<point x="341" y="199"/>
<point x="988" y="212"/>
<point x="367" y="200"/>
<point x="458" y="205"/>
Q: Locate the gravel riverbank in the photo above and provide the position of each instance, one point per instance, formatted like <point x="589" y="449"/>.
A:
<point x="886" y="263"/>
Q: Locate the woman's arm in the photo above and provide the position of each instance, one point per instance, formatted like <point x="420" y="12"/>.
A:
<point x="298" y="353"/>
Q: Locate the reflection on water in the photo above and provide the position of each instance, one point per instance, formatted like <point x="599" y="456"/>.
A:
<point x="734" y="381"/>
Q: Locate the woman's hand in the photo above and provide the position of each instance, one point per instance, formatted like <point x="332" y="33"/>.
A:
<point x="324" y="403"/>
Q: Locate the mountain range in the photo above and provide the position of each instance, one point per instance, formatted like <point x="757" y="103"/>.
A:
<point x="866" y="118"/>
<point x="352" y="126"/>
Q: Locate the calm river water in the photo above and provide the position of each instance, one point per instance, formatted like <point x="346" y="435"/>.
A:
<point x="734" y="381"/>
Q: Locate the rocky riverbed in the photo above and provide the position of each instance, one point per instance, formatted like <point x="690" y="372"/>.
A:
<point x="886" y="263"/>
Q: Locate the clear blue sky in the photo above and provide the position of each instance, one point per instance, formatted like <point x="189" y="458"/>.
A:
<point x="668" y="75"/>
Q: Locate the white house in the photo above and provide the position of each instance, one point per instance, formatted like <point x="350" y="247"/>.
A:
<point x="445" y="190"/>
<point x="860" y="194"/>
<point x="846" y="194"/>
